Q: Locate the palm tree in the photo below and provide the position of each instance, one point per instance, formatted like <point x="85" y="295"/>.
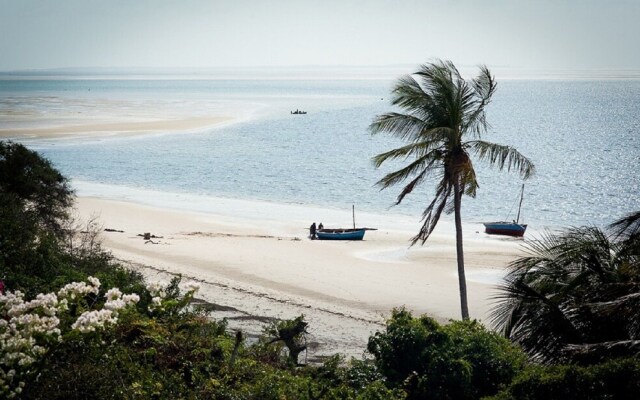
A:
<point x="443" y="119"/>
<point x="576" y="297"/>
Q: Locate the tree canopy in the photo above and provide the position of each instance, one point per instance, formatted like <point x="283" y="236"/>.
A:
<point x="29" y="181"/>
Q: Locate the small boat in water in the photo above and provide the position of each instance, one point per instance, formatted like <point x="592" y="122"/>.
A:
<point x="514" y="228"/>
<point x="341" y="234"/>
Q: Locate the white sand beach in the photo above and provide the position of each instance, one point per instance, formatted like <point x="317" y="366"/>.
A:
<point x="255" y="260"/>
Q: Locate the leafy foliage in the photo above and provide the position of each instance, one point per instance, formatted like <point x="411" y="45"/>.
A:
<point x="575" y="298"/>
<point x="461" y="360"/>
<point x="614" y="379"/>
<point x="38" y="188"/>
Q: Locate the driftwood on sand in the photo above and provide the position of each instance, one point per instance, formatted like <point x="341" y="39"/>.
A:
<point x="147" y="236"/>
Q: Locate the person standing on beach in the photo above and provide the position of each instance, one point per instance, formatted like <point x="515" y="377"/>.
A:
<point x="312" y="231"/>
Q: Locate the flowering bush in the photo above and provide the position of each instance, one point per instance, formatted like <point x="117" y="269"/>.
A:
<point x="29" y="328"/>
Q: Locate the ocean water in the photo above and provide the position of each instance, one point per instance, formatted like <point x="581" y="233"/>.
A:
<point x="582" y="135"/>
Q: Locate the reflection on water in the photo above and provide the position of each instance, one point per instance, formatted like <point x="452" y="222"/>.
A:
<point x="584" y="137"/>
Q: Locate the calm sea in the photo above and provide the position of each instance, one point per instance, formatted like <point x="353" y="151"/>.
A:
<point x="583" y="135"/>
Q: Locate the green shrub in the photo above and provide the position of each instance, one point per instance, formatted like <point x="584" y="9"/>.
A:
<point x="614" y="379"/>
<point x="461" y="360"/>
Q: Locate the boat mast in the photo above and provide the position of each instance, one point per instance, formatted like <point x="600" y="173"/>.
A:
<point x="520" y="205"/>
<point x="353" y="213"/>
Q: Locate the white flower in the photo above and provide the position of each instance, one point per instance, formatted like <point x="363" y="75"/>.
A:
<point x="192" y="287"/>
<point x="76" y="289"/>
<point x="130" y="298"/>
<point x="116" y="301"/>
<point x="24" y="325"/>
<point x="156" y="302"/>
<point x="113" y="294"/>
<point x="156" y="289"/>
<point x="95" y="282"/>
<point x="114" y="305"/>
<point x="89" y="321"/>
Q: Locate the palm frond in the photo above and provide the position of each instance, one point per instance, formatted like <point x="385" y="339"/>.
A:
<point x="502" y="155"/>
<point x="421" y="166"/>
<point x="443" y="82"/>
<point x="630" y="300"/>
<point x="459" y="167"/>
<point x="409" y="95"/>
<point x="621" y="310"/>
<point x="528" y="317"/>
<point x="432" y="213"/>
<point x="469" y="183"/>
<point x="403" y="126"/>
<point x="562" y="261"/>
<point x="592" y="353"/>
<point x="410" y="186"/>
<point x="418" y="150"/>
<point x="484" y="86"/>
<point x="627" y="226"/>
<point x="626" y="231"/>
<point x="571" y="291"/>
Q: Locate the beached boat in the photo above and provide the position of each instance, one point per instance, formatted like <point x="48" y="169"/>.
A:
<point x="514" y="228"/>
<point x="505" y="228"/>
<point x="340" y="234"/>
<point x="343" y="233"/>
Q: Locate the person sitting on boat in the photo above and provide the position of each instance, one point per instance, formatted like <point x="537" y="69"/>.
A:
<point x="312" y="231"/>
<point x="320" y="226"/>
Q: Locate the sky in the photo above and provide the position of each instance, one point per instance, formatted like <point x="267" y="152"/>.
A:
<point x="521" y="34"/>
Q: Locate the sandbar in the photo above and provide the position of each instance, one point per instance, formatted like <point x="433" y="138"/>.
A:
<point x="115" y="128"/>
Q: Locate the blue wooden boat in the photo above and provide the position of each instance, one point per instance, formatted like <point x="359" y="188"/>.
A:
<point x="340" y="234"/>
<point x="505" y="228"/>
<point x="514" y="228"/>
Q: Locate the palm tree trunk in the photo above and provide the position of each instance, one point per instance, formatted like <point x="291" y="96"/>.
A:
<point x="462" y="281"/>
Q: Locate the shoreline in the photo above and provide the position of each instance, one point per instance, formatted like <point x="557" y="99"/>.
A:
<point x="266" y="267"/>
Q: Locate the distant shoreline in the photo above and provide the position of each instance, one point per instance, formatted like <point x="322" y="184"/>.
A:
<point x="358" y="72"/>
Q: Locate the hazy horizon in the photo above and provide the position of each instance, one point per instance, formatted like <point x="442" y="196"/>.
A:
<point x="307" y="72"/>
<point x="545" y="35"/>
